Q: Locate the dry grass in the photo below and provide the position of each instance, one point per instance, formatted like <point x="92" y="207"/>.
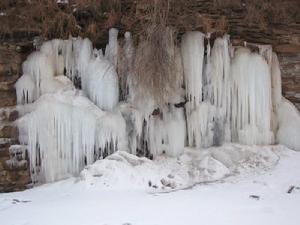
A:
<point x="153" y="69"/>
<point x="92" y="18"/>
<point x="52" y="20"/>
<point x="154" y="63"/>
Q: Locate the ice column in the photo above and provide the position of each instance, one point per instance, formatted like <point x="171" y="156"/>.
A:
<point x="251" y="98"/>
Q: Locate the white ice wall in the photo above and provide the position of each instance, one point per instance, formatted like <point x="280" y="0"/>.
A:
<point x="219" y="98"/>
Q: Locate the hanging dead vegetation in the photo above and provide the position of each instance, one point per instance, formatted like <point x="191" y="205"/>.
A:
<point x="153" y="73"/>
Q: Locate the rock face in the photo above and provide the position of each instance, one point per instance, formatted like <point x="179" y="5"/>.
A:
<point x="14" y="173"/>
<point x="284" y="37"/>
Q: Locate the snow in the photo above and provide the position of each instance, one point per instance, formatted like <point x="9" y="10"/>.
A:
<point x="227" y="201"/>
<point x="122" y="170"/>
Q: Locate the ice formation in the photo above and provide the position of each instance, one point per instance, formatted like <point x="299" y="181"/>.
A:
<point x="208" y="106"/>
<point x="223" y="94"/>
<point x="289" y="125"/>
<point x="25" y="89"/>
<point x="65" y="132"/>
<point x="125" y="63"/>
<point x="251" y="99"/>
<point x="111" y="50"/>
<point x="192" y="50"/>
<point x="286" y="117"/>
<point x="167" y="134"/>
<point x="101" y="84"/>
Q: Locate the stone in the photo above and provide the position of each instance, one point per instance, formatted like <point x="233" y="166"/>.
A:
<point x="8" y="98"/>
<point x="8" y="131"/>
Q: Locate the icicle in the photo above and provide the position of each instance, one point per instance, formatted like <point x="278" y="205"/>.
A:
<point x="192" y="50"/>
<point x="25" y="89"/>
<point x="251" y="99"/>
<point x="167" y="134"/>
<point x="111" y="51"/>
<point x="54" y="51"/>
<point x="201" y="126"/>
<point x="276" y="81"/>
<point x="82" y="60"/>
<point x="207" y="89"/>
<point x="276" y="90"/>
<point x="134" y="125"/>
<point x="101" y="83"/>
<point x="71" y="53"/>
<point x="220" y="89"/>
<point x="38" y="68"/>
<point x="175" y="131"/>
<point x="125" y="63"/>
<point x="65" y="132"/>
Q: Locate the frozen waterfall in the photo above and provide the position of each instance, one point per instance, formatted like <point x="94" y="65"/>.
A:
<point x="74" y="115"/>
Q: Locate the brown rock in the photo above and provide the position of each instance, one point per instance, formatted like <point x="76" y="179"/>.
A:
<point x="8" y="98"/>
<point x="9" y="131"/>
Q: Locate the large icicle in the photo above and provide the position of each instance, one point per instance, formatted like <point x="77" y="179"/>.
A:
<point x="54" y="51"/>
<point x="276" y="81"/>
<point x="219" y="89"/>
<point x="111" y="50"/>
<point x="125" y="64"/>
<point x="84" y="57"/>
<point x="39" y="69"/>
<point x="192" y="50"/>
<point x="25" y="89"/>
<point x="101" y="83"/>
<point x="66" y="132"/>
<point x="251" y="98"/>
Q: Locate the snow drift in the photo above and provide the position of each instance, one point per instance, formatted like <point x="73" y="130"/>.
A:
<point x="126" y="171"/>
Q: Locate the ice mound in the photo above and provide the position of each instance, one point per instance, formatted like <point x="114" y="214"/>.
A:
<point x="122" y="170"/>
<point x="289" y="125"/>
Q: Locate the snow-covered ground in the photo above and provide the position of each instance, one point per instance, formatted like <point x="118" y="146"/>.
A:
<point x="117" y="191"/>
